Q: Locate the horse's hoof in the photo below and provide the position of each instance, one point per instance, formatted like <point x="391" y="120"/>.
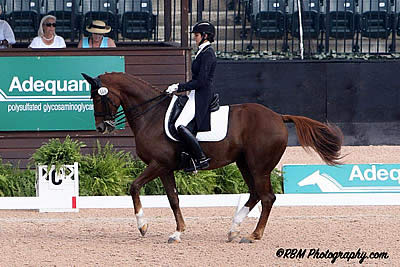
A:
<point x="143" y="229"/>
<point x="175" y="238"/>
<point x="172" y="240"/>
<point x="246" y="240"/>
<point x="233" y="235"/>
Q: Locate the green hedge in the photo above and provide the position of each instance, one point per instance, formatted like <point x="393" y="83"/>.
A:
<point x="15" y="182"/>
<point x="108" y="172"/>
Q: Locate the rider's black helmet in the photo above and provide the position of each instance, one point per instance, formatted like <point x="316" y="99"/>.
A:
<point x="204" y="27"/>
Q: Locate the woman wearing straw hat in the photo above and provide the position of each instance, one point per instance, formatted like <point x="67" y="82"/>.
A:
<point x="97" y="39"/>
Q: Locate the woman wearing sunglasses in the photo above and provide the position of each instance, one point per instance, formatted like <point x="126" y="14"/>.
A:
<point x="47" y="37"/>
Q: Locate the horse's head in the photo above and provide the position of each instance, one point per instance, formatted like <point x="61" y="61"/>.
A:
<point x="106" y="102"/>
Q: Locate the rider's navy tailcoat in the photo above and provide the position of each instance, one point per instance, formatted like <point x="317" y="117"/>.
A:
<point x="203" y="69"/>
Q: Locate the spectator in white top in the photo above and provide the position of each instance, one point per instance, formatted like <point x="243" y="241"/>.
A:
<point x="47" y="37"/>
<point x="7" y="38"/>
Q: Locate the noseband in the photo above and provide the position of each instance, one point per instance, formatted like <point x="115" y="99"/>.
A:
<point x="107" y="114"/>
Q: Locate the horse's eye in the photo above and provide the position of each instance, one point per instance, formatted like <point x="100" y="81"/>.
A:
<point x="102" y="91"/>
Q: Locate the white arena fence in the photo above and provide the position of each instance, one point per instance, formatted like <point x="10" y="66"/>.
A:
<point x="60" y="193"/>
<point x="223" y="200"/>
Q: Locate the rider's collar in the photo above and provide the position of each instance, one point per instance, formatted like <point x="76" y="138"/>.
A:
<point x="202" y="46"/>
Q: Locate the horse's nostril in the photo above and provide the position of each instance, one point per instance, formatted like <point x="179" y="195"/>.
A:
<point x="100" y="128"/>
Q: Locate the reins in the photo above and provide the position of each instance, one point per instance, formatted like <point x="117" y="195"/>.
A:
<point x="120" y="120"/>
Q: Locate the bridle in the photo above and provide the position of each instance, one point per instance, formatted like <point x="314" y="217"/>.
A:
<point x="118" y="117"/>
<point x="105" y="100"/>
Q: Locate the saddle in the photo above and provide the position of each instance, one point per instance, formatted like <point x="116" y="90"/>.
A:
<point x="177" y="110"/>
<point x="219" y="126"/>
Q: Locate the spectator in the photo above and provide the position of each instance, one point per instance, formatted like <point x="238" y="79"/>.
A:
<point x="7" y="38"/>
<point x="47" y="37"/>
<point x="97" y="39"/>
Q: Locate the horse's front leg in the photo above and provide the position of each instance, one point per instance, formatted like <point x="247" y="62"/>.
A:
<point x="152" y="171"/>
<point x="170" y="187"/>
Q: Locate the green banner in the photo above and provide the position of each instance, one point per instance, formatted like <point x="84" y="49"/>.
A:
<point x="49" y="93"/>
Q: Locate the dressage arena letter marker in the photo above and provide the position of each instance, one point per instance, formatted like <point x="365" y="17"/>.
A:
<point x="58" y="192"/>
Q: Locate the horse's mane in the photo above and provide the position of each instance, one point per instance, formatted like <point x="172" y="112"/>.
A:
<point x="129" y="78"/>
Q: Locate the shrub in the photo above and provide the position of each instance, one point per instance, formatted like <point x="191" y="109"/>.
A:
<point x="226" y="180"/>
<point x="186" y="184"/>
<point x="15" y="182"/>
<point x="105" y="172"/>
<point x="110" y="172"/>
<point x="230" y="180"/>
<point x="58" y="153"/>
<point x="277" y="181"/>
<point x="202" y="183"/>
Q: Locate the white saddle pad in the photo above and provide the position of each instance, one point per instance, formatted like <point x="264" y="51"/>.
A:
<point x="219" y="124"/>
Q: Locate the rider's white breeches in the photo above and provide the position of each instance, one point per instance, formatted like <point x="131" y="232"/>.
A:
<point x="188" y="111"/>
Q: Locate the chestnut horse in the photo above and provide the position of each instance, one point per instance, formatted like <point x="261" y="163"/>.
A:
<point x="256" y="140"/>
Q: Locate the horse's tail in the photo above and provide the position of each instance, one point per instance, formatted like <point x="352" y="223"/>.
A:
<point x="325" y="139"/>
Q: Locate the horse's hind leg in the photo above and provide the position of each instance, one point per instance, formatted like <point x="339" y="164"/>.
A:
<point x="170" y="187"/>
<point x="249" y="205"/>
<point x="267" y="196"/>
<point x="152" y="171"/>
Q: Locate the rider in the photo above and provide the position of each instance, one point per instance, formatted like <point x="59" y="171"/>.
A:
<point x="200" y="88"/>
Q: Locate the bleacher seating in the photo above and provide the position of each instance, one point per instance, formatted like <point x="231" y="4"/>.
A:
<point x="343" y="19"/>
<point x="311" y="17"/>
<point x="138" y="20"/>
<point x="375" y="18"/>
<point x="133" y="20"/>
<point x="23" y="17"/>
<point x="3" y="8"/>
<point x="68" y="17"/>
<point x="269" y="18"/>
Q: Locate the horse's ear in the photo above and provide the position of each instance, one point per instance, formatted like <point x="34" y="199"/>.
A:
<point x="94" y="82"/>
<point x="88" y="78"/>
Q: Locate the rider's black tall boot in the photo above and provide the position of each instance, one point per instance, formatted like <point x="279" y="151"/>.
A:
<point x="190" y="141"/>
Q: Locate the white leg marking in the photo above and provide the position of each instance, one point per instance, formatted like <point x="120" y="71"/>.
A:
<point x="140" y="220"/>
<point x="239" y="217"/>
<point x="176" y="236"/>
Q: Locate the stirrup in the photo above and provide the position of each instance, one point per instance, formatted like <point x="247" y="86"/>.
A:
<point x="203" y="163"/>
<point x="197" y="165"/>
<point x="192" y="168"/>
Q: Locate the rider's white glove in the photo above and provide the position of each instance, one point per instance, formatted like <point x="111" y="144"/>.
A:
<point x="172" y="88"/>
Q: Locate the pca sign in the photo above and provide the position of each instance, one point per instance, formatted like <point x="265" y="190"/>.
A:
<point x="349" y="178"/>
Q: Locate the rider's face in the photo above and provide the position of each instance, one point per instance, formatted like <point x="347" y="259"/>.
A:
<point x="197" y="38"/>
